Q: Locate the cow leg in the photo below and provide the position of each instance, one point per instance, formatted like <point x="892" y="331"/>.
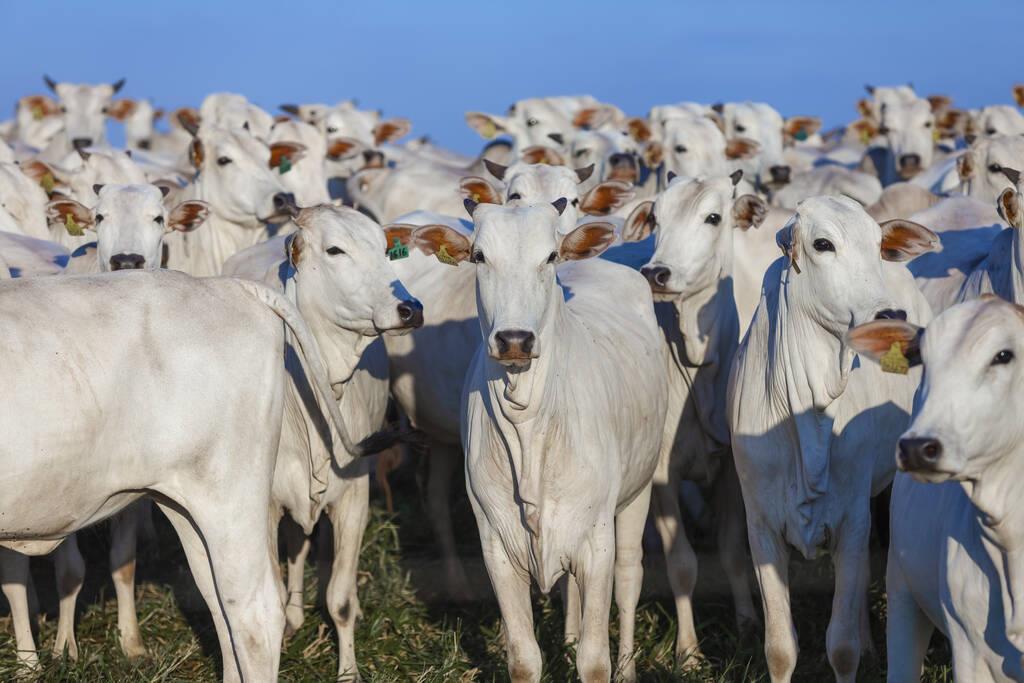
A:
<point x="512" y="588"/>
<point x="70" y="570"/>
<point x="732" y="545"/>
<point x="629" y="577"/>
<point x="771" y="567"/>
<point x="843" y="635"/>
<point x="297" y="546"/>
<point x="444" y="461"/>
<point x="15" y="578"/>
<point x="595" y="572"/>
<point x="348" y="516"/>
<point x="681" y="565"/>
<point x="571" y="604"/>
<point x="124" y="527"/>
<point x="907" y="629"/>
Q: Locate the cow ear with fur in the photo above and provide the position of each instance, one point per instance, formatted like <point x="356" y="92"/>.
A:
<point x="343" y="148"/>
<point x="876" y="338"/>
<point x="748" y="211"/>
<point x="865" y="130"/>
<point x="864" y="108"/>
<point x="903" y="240"/>
<point x="391" y="130"/>
<point x="592" y="117"/>
<point x="653" y="154"/>
<point x="195" y="153"/>
<point x="280" y="151"/>
<point x="71" y="215"/>
<point x="487" y="125"/>
<point x="538" y="154"/>
<point x="1010" y="208"/>
<point x="742" y="148"/>
<point x="939" y="103"/>
<point x="640" y="223"/>
<point x="479" y="191"/>
<point x="586" y="241"/>
<point x="966" y="165"/>
<point x="294" y="244"/>
<point x="788" y="239"/>
<point x="606" y="197"/>
<point x="1018" y="95"/>
<point x="638" y="129"/>
<point x="187" y="216"/>
<point x="121" y="109"/>
<point x="434" y="240"/>
<point x="41" y="173"/>
<point x="800" y="128"/>
<point x="402" y="232"/>
<point x="188" y="119"/>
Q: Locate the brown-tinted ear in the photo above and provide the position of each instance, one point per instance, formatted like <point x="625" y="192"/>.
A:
<point x="586" y="241"/>
<point x="966" y="165"/>
<point x="157" y="115"/>
<point x="187" y="216"/>
<point x="800" y="128"/>
<point x="400" y="233"/>
<point x="865" y="130"/>
<point x="71" y="215"/>
<point x="294" y="244"/>
<point x="638" y="129"/>
<point x="487" y="125"/>
<point x="1018" y="95"/>
<point x="1009" y="207"/>
<point x="41" y="106"/>
<point x="390" y="130"/>
<point x="606" y="197"/>
<point x="538" y="154"/>
<point x="741" y="148"/>
<point x="903" y="240"/>
<point x="284" y="154"/>
<point x="864" y="108"/>
<point x="40" y="173"/>
<point x="450" y="246"/>
<point x="653" y="154"/>
<point x="939" y="103"/>
<point x="592" y="117"/>
<point x="640" y="223"/>
<point x="748" y="211"/>
<point x="876" y="338"/>
<point x="343" y="148"/>
<point x="188" y="118"/>
<point x="121" y="109"/>
<point x="788" y="240"/>
<point x="479" y="190"/>
<point x="195" y="153"/>
<point x="950" y="121"/>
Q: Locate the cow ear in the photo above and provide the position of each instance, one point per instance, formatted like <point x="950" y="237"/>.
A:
<point x="1018" y="95"/>
<point x="640" y="223"/>
<point x="343" y="148"/>
<point x="903" y="240"/>
<point x="294" y="244"/>
<point x="479" y="191"/>
<point x="586" y="241"/>
<point x="41" y="173"/>
<point x="966" y="165"/>
<point x="800" y="128"/>
<point x="487" y="125"/>
<point x="876" y="339"/>
<point x="939" y="103"/>
<point x="593" y="117"/>
<point x="121" y="109"/>
<point x="450" y="246"/>
<point x="187" y="216"/>
<point x="538" y="154"/>
<point x="195" y="153"/>
<point x="71" y="215"/>
<point x="742" y="148"/>
<point x="391" y="130"/>
<point x="748" y="211"/>
<point x="606" y="197"/>
<point x="284" y="154"/>
<point x="865" y="130"/>
<point x="788" y="240"/>
<point x="638" y="129"/>
<point x="653" y="154"/>
<point x="949" y="121"/>
<point x="864" y="108"/>
<point x="400" y="233"/>
<point x="1009" y="207"/>
<point x="188" y="119"/>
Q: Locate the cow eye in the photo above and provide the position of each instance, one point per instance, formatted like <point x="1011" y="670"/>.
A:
<point x="332" y="129"/>
<point x="990" y="131"/>
<point x="1003" y="357"/>
<point x="223" y="161"/>
<point x="823" y="245"/>
<point x="98" y="219"/>
<point x="581" y="152"/>
<point x="680" y="149"/>
<point x="927" y="124"/>
<point x="741" y="128"/>
<point x="883" y="130"/>
<point x="713" y="219"/>
<point x="63" y="109"/>
<point x="994" y="168"/>
<point x="552" y="257"/>
<point x="514" y="196"/>
<point x="105" y="110"/>
<point x="476" y="257"/>
<point x="576" y="202"/>
<point x="159" y="220"/>
<point x="532" y="122"/>
<point x="334" y="251"/>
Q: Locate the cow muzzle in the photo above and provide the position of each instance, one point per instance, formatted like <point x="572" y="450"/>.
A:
<point x="623" y="167"/>
<point x="514" y="348"/>
<point x="909" y="166"/>
<point x="410" y="313"/>
<point x="919" y="455"/>
<point x="658" y="277"/>
<point x="127" y="262"/>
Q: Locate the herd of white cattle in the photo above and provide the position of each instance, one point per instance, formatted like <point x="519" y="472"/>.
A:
<point x="709" y="307"/>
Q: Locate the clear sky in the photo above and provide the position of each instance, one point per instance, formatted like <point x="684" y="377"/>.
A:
<point x="434" y="59"/>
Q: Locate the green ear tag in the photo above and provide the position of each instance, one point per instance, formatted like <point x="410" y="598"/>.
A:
<point x="894" y="361"/>
<point x="285" y="165"/>
<point x="398" y="251"/>
<point x="444" y="257"/>
<point x="47" y="182"/>
<point x="73" y="228"/>
<point x="37" y="112"/>
<point x="801" y="135"/>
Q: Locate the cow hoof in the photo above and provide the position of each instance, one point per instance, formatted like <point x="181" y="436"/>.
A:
<point x="690" y="660"/>
<point x="134" y="650"/>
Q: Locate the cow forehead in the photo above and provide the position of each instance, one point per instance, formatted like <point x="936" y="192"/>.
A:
<point x="694" y="129"/>
<point x="684" y="196"/>
<point x="1006" y="149"/>
<point x="83" y="93"/>
<point x="328" y="222"/>
<point x="840" y="214"/>
<point x="222" y="140"/>
<point x="906" y="112"/>
<point x="297" y="131"/>
<point x="514" y="229"/>
<point x="968" y="328"/>
<point x="130" y="198"/>
<point x="543" y="177"/>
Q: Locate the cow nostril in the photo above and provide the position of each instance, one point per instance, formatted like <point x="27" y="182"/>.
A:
<point x="780" y="174"/>
<point x="557" y="137"/>
<point x="917" y="451"/>
<point x="127" y="262"/>
<point x="910" y="160"/>
<point x="516" y="342"/>
<point x="891" y="314"/>
<point x="619" y="159"/>
<point x="145" y="144"/>
<point x="410" y="312"/>
<point x="81" y="143"/>
<point x="658" y="276"/>
<point x="284" y="202"/>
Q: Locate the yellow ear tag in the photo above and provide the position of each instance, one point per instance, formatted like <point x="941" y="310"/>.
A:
<point x="47" y="182"/>
<point x="444" y="257"/>
<point x="489" y="130"/>
<point x="476" y="197"/>
<point x="865" y="136"/>
<point x="73" y="228"/>
<point x="936" y="135"/>
<point x="894" y="361"/>
<point x="37" y="112"/>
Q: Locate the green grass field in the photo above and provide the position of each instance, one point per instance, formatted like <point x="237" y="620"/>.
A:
<point x="408" y="632"/>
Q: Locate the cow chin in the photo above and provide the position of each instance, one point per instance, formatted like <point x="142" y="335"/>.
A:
<point x="926" y="475"/>
<point x="514" y="362"/>
<point x="664" y="295"/>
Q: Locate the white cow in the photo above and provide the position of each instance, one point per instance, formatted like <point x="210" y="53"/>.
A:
<point x="764" y="124"/>
<point x="37" y="120"/>
<point x="695" y="147"/>
<point x="954" y="554"/>
<point x="535" y="121"/>
<point x="24" y="201"/>
<point x="998" y="119"/>
<point x="559" y="464"/>
<point x="83" y="111"/>
<point x="234" y="112"/>
<point x="980" y="167"/>
<point x="139" y="118"/>
<point x="304" y="173"/>
<point x="908" y="149"/>
<point x="807" y="425"/>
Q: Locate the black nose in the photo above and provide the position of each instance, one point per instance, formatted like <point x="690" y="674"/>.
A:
<point x="918" y="454"/>
<point x="657" y="275"/>
<point x="891" y="314"/>
<point x="910" y="161"/>
<point x="145" y="144"/>
<point x="515" y="343"/>
<point x="127" y="261"/>
<point x="81" y="143"/>
<point x="284" y="203"/>
<point x="410" y="312"/>
<point x="621" y="159"/>
<point x="780" y="174"/>
<point x="557" y="137"/>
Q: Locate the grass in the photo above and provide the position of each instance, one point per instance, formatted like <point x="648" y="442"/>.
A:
<point x="408" y="633"/>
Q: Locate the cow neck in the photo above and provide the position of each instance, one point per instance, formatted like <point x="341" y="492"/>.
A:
<point x="699" y="311"/>
<point x="1017" y="269"/>
<point x="219" y="238"/>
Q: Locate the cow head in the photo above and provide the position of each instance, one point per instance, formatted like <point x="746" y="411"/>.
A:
<point x="764" y="125"/>
<point x="139" y="118"/>
<point x="910" y="134"/>
<point x="530" y="122"/>
<point x="84" y="110"/>
<point x="298" y="154"/>
<point x="614" y="154"/>
<point x="23" y="198"/>
<point x="982" y="167"/>
<point x="694" y="146"/>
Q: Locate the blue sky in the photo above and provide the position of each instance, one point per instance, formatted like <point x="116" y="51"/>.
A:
<point x="433" y="60"/>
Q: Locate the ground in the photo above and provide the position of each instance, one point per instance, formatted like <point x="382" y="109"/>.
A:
<point x="408" y="633"/>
